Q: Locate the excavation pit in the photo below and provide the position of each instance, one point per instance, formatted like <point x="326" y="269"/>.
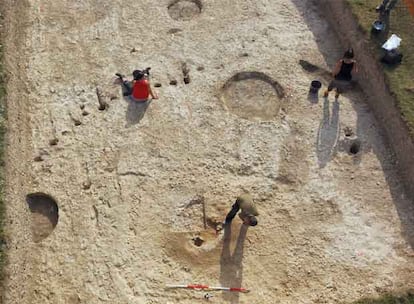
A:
<point x="355" y="147"/>
<point x="184" y="10"/>
<point x="45" y="214"/>
<point x="198" y="241"/>
<point x="253" y="95"/>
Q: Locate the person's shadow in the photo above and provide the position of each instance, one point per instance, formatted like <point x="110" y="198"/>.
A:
<point x="231" y="266"/>
<point x="328" y="133"/>
<point x="135" y="111"/>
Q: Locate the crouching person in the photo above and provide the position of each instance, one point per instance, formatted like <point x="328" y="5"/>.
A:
<point x="248" y="210"/>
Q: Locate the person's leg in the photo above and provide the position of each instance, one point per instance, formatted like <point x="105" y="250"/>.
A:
<point x="390" y="5"/>
<point x="382" y="6"/>
<point x="234" y="209"/>
<point x="330" y="88"/>
<point x="127" y="88"/>
<point x="338" y="91"/>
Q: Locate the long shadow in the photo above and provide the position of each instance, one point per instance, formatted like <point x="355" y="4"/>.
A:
<point x="231" y="266"/>
<point x="328" y="133"/>
<point x="136" y="111"/>
<point x="310" y="11"/>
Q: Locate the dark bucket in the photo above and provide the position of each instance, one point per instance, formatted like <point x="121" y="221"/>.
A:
<point x="378" y="26"/>
<point x="315" y="86"/>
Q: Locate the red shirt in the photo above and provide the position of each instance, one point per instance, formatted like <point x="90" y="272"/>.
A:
<point x="140" y="89"/>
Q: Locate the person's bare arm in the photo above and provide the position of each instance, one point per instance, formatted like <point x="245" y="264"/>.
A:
<point x="355" y="68"/>
<point x="153" y="94"/>
<point x="337" y="68"/>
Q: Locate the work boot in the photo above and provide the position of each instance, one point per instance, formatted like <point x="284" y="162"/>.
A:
<point x="379" y="8"/>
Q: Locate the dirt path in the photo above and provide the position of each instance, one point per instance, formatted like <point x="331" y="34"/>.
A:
<point x="130" y="181"/>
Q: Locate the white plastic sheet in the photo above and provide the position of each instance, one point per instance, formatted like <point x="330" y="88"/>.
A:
<point x="392" y="43"/>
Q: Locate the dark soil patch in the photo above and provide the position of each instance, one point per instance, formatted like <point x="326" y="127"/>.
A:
<point x="45" y="214"/>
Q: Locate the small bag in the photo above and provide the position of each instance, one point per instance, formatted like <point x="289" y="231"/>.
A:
<point x="392" y="57"/>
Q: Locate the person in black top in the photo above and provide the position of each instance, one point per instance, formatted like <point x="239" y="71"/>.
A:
<point x="342" y="73"/>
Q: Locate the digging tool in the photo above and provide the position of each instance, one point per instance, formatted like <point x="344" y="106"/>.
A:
<point x="206" y="287"/>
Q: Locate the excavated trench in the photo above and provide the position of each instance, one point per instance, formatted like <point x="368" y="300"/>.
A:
<point x="380" y="100"/>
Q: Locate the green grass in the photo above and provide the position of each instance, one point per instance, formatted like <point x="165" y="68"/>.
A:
<point x="389" y="299"/>
<point x="2" y="134"/>
<point x="401" y="78"/>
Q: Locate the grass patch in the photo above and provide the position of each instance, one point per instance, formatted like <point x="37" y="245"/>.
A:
<point x="2" y="135"/>
<point x="389" y="299"/>
<point x="400" y="79"/>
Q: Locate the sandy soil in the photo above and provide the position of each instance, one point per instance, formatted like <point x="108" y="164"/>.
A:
<point x="132" y="183"/>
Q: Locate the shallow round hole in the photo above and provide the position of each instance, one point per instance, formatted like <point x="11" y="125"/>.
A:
<point x="45" y="214"/>
<point x="184" y="9"/>
<point x="198" y="241"/>
<point x="355" y="147"/>
<point x="253" y="96"/>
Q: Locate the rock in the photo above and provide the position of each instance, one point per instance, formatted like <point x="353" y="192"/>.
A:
<point x="38" y="158"/>
<point x="53" y="142"/>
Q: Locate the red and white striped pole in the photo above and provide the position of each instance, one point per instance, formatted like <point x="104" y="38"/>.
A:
<point x="206" y="287"/>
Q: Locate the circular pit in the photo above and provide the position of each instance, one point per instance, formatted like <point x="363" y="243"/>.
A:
<point x="253" y="95"/>
<point x="184" y="10"/>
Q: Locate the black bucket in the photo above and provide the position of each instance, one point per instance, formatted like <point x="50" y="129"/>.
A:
<point x="315" y="86"/>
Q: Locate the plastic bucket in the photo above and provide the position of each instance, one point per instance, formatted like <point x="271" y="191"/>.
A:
<point x="315" y="86"/>
<point x="378" y="26"/>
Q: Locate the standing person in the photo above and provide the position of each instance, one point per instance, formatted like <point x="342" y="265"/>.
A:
<point x="248" y="210"/>
<point x="342" y="73"/>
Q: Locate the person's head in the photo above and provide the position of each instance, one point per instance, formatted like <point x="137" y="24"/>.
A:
<point x="251" y="220"/>
<point x="349" y="54"/>
<point x="138" y="75"/>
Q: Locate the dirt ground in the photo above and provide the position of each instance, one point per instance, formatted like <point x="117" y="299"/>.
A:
<point x="140" y="189"/>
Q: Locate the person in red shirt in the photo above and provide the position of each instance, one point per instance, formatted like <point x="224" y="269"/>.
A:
<point x="141" y="88"/>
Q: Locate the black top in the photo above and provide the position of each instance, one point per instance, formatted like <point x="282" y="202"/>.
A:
<point x="345" y="71"/>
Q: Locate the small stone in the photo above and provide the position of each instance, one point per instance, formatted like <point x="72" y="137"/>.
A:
<point x="174" y="30"/>
<point x="82" y="106"/>
<point x="52" y="90"/>
<point x="53" y="142"/>
<point x="173" y="82"/>
<point x="86" y="185"/>
<point x="200" y="68"/>
<point x="38" y="158"/>
<point x="85" y="113"/>
<point x="158" y="85"/>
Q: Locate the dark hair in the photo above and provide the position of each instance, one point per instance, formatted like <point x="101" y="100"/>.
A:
<point x="253" y="221"/>
<point x="137" y="74"/>
<point x="349" y="54"/>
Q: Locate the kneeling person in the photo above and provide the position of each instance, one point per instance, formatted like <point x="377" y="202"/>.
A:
<point x="248" y="210"/>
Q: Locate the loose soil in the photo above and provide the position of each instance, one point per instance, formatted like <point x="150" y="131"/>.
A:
<point x="141" y="189"/>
